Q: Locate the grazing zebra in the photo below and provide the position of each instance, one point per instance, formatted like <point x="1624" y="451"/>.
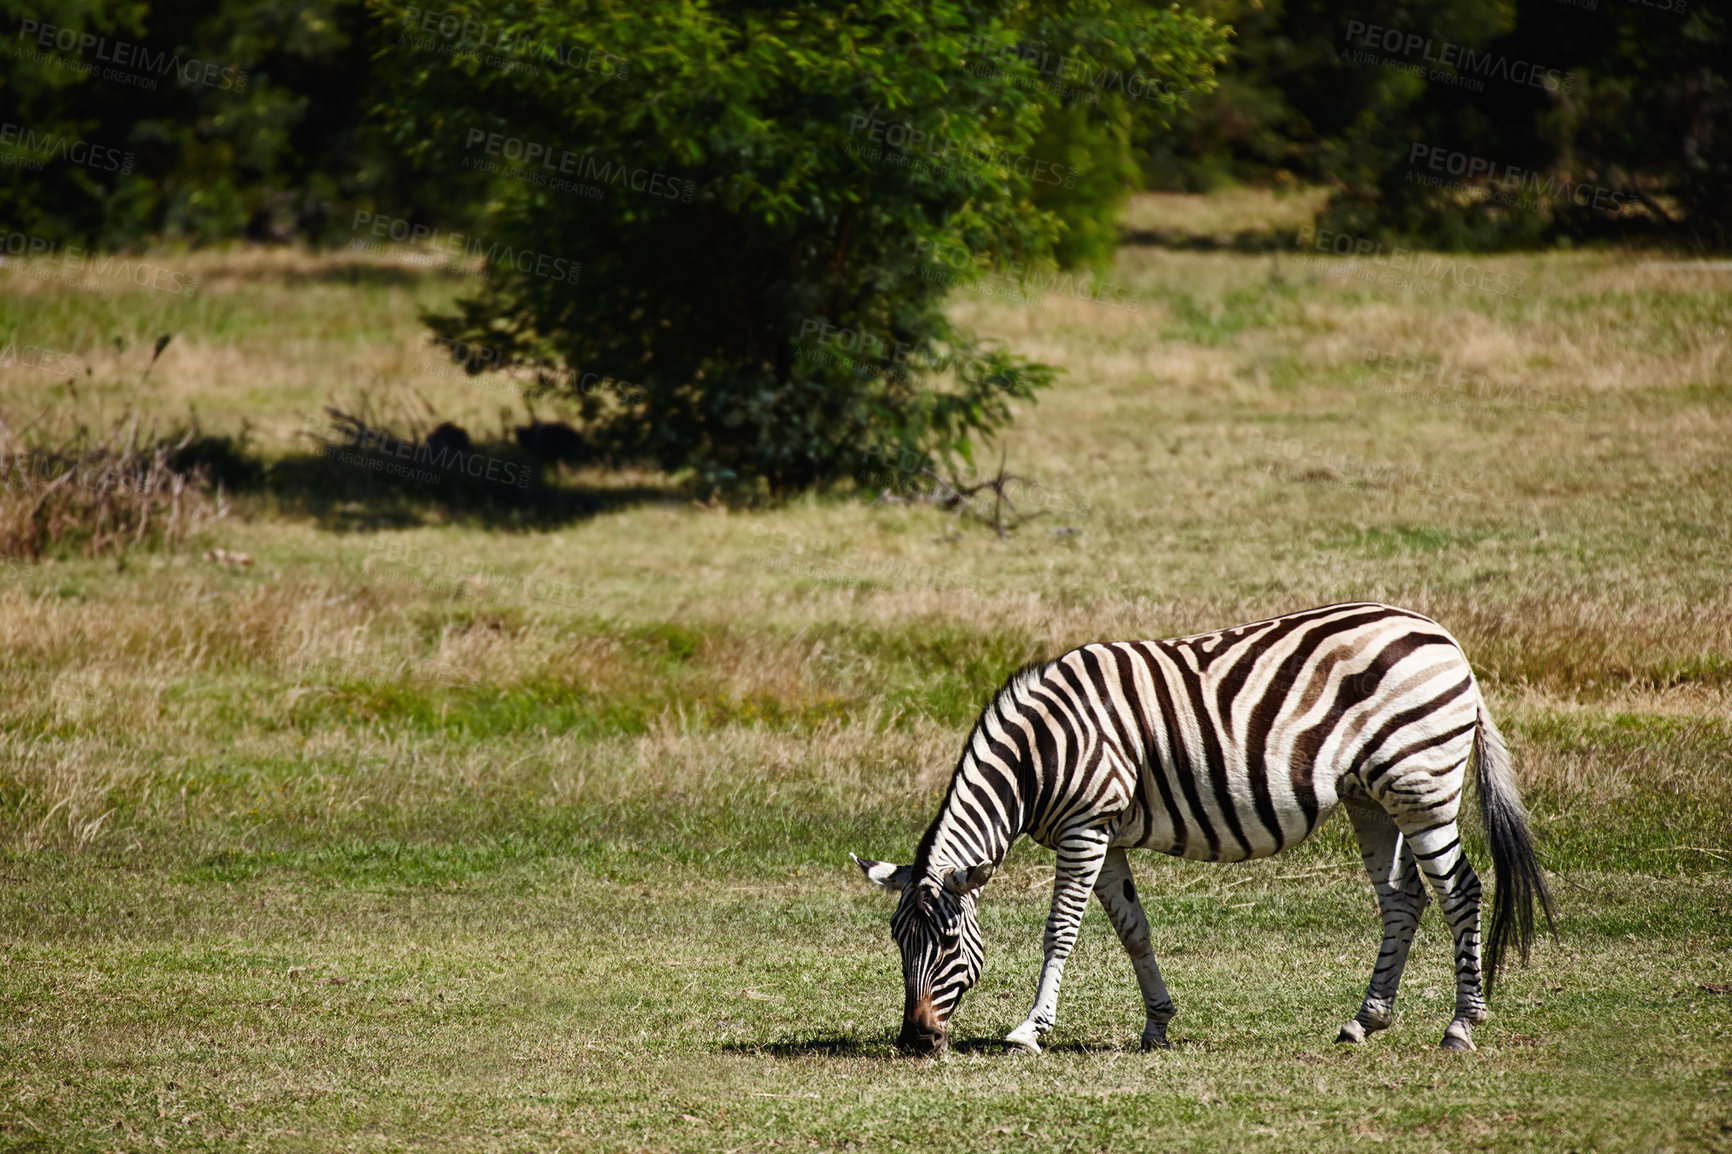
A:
<point x="1225" y="746"/>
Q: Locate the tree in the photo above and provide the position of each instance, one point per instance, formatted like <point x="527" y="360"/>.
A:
<point x="1632" y="138"/>
<point x="201" y="120"/>
<point x="729" y="228"/>
<point x="1469" y="124"/>
<point x="1292" y="102"/>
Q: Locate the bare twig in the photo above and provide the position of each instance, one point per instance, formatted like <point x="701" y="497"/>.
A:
<point x="952" y="494"/>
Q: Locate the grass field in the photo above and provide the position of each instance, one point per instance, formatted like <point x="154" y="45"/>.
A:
<point x="442" y="828"/>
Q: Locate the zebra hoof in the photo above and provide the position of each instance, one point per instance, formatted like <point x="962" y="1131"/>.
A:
<point x="1351" y="1034"/>
<point x="1456" y="1039"/>
<point x="1022" y="1039"/>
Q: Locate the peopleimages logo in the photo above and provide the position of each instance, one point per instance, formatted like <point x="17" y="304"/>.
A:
<point x="916" y="148"/>
<point x="491" y="368"/>
<point x="1467" y="67"/>
<point x="543" y="162"/>
<point x="466" y="36"/>
<point x="44" y="259"/>
<point x="1066" y="74"/>
<point x="56" y="146"/>
<point x="1507" y="184"/>
<point x="455" y="246"/>
<point x="1016" y="280"/>
<point x="380" y="452"/>
<point x="1394" y="264"/>
<point x="41" y="359"/>
<point x="127" y="56"/>
<point x="826" y="343"/>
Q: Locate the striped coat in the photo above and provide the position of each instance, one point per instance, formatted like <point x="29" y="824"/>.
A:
<point x="1222" y="746"/>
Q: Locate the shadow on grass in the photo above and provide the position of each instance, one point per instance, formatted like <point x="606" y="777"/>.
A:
<point x="828" y="1044"/>
<point x="1131" y="1045"/>
<point x="351" y="488"/>
<point x="833" y="1045"/>
<point x="335" y="267"/>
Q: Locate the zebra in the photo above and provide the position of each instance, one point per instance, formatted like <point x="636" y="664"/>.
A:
<point x="1220" y="747"/>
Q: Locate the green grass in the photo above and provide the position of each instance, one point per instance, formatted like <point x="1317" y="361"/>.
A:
<point x="403" y="1000"/>
<point x="376" y="844"/>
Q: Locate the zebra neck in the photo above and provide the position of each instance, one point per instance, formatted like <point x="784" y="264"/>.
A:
<point x="975" y="825"/>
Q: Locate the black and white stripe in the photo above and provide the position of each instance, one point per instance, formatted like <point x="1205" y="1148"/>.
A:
<point x="1223" y="747"/>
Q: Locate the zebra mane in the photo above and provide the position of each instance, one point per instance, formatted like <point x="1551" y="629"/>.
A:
<point x="1005" y="697"/>
<point x="1029" y="672"/>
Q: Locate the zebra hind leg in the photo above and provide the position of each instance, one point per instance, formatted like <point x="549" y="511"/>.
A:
<point x="1118" y="896"/>
<point x="1401" y="897"/>
<point x="1440" y="855"/>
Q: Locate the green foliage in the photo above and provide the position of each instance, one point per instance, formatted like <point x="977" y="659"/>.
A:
<point x="768" y="208"/>
<point x="202" y="120"/>
<point x="1626" y="132"/>
<point x="1101" y="169"/>
<point x="1290" y="104"/>
<point x="1098" y="65"/>
<point x="1634" y="138"/>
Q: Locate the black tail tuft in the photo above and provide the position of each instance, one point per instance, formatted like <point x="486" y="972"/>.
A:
<point x="1517" y="869"/>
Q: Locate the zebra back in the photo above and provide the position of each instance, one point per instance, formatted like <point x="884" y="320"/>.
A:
<point x="1219" y="746"/>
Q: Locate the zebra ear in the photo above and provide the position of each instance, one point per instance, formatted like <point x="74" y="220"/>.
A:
<point x="961" y="882"/>
<point x="885" y="875"/>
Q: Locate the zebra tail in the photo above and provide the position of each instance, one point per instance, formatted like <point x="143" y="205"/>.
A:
<point x="1517" y="869"/>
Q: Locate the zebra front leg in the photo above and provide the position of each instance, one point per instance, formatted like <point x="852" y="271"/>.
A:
<point x="1081" y="854"/>
<point x="1401" y="898"/>
<point x="1439" y="853"/>
<point x="1118" y="896"/>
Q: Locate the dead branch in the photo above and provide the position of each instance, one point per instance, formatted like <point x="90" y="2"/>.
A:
<point x="969" y="501"/>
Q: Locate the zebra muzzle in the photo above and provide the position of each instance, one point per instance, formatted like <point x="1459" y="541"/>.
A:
<point x="922" y="1030"/>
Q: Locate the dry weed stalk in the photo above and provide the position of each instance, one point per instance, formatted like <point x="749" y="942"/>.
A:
<point x="951" y="494"/>
<point x="105" y="494"/>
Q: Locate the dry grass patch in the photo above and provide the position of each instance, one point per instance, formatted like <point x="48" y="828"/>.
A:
<point x="1547" y="481"/>
<point x="1229" y="210"/>
<point x="67" y="488"/>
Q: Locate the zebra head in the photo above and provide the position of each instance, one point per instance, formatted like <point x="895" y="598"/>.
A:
<point x="938" y="933"/>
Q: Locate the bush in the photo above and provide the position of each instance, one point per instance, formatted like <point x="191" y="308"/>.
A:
<point x="729" y="229"/>
<point x="97" y="494"/>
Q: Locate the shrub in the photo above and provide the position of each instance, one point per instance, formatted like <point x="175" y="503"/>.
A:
<point x="729" y="228"/>
<point x="97" y="494"/>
